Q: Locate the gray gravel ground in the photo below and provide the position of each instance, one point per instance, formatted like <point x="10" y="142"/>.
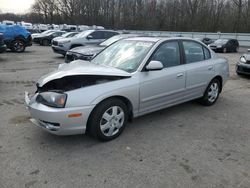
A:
<point x="184" y="146"/>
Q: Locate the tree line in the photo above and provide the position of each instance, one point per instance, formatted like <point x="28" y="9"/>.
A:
<point x="168" y="15"/>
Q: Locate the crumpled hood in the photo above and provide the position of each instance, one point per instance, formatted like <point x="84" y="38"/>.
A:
<point x="87" y="50"/>
<point x="80" y="67"/>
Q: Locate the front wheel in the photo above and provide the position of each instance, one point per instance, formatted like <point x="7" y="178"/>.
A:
<point x="45" y="42"/>
<point x="212" y="93"/>
<point x="17" y="46"/>
<point x="108" y="119"/>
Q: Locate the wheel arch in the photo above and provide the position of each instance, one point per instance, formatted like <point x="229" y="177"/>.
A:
<point x="126" y="101"/>
<point x="220" y="79"/>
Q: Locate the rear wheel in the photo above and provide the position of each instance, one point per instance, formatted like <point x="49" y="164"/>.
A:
<point x="17" y="46"/>
<point x="237" y="49"/>
<point x="108" y="119"/>
<point x="212" y="93"/>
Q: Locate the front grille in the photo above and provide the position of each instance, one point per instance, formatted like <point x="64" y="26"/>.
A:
<point x="55" y="43"/>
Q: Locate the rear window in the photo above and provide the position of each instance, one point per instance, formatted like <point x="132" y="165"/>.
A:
<point x="195" y="52"/>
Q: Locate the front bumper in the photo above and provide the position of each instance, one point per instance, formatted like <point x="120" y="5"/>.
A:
<point x="57" y="120"/>
<point x="242" y="68"/>
<point x="58" y="50"/>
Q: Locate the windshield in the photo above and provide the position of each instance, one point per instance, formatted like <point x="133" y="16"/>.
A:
<point x="111" y="40"/>
<point x="221" y="41"/>
<point x="47" y="32"/>
<point x="125" y="55"/>
<point x="83" y="34"/>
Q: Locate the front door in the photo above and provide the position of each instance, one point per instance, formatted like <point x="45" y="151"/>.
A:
<point x="162" y="88"/>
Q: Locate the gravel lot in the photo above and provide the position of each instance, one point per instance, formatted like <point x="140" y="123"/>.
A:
<point x="184" y="146"/>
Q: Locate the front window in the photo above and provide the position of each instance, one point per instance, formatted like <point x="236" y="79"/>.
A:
<point x="126" y="55"/>
<point x="83" y="34"/>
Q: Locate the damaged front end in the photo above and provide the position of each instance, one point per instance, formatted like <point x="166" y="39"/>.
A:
<point x="69" y="83"/>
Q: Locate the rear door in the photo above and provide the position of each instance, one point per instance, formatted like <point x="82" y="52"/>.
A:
<point x="165" y="87"/>
<point x="199" y="68"/>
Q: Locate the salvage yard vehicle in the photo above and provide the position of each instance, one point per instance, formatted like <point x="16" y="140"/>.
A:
<point x="45" y="40"/>
<point x="2" y="45"/>
<point x="89" y="51"/>
<point x="225" y="45"/>
<point x="87" y="37"/>
<point x="16" y="37"/>
<point x="243" y="66"/>
<point x="129" y="78"/>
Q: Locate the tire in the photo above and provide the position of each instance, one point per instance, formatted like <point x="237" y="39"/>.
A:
<point x="212" y="93"/>
<point x="45" y="42"/>
<point x="17" y="46"/>
<point x="224" y="50"/>
<point x="103" y="124"/>
<point x="237" y="49"/>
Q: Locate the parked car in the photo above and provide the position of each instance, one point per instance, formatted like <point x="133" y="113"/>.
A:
<point x="89" y="51"/>
<point x="87" y="37"/>
<point x="205" y="40"/>
<point x="45" y="40"/>
<point x="66" y="35"/>
<point x="16" y="37"/>
<point x="2" y="45"/>
<point x="38" y="35"/>
<point x="129" y="78"/>
<point x="243" y="66"/>
<point x="225" y="45"/>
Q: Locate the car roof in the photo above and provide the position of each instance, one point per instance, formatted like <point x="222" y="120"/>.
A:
<point x="156" y="39"/>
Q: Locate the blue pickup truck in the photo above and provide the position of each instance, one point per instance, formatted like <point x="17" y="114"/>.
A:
<point x="15" y="37"/>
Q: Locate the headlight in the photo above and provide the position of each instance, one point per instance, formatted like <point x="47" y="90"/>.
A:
<point x="53" y="99"/>
<point x="243" y="59"/>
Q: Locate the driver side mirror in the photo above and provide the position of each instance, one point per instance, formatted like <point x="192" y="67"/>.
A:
<point x="154" y="66"/>
<point x="89" y="37"/>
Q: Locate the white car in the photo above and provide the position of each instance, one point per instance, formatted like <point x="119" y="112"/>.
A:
<point x="61" y="46"/>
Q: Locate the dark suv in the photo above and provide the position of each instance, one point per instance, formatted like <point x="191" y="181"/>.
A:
<point x="16" y="37"/>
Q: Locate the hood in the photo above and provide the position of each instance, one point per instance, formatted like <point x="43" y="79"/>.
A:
<point x="62" y="39"/>
<point x="80" y="67"/>
<point x="87" y="50"/>
<point x="217" y="44"/>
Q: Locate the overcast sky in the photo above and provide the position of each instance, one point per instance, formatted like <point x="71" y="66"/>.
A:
<point x="15" y="6"/>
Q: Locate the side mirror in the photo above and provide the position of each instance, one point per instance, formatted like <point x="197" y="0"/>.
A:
<point x="154" y="66"/>
<point x="89" y="37"/>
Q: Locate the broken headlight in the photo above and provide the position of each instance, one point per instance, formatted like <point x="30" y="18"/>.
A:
<point x="52" y="99"/>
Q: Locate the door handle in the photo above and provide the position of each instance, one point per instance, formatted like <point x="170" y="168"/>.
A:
<point x="179" y="75"/>
<point x="210" y="68"/>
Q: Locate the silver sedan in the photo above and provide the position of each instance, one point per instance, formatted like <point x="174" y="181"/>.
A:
<point x="128" y="79"/>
